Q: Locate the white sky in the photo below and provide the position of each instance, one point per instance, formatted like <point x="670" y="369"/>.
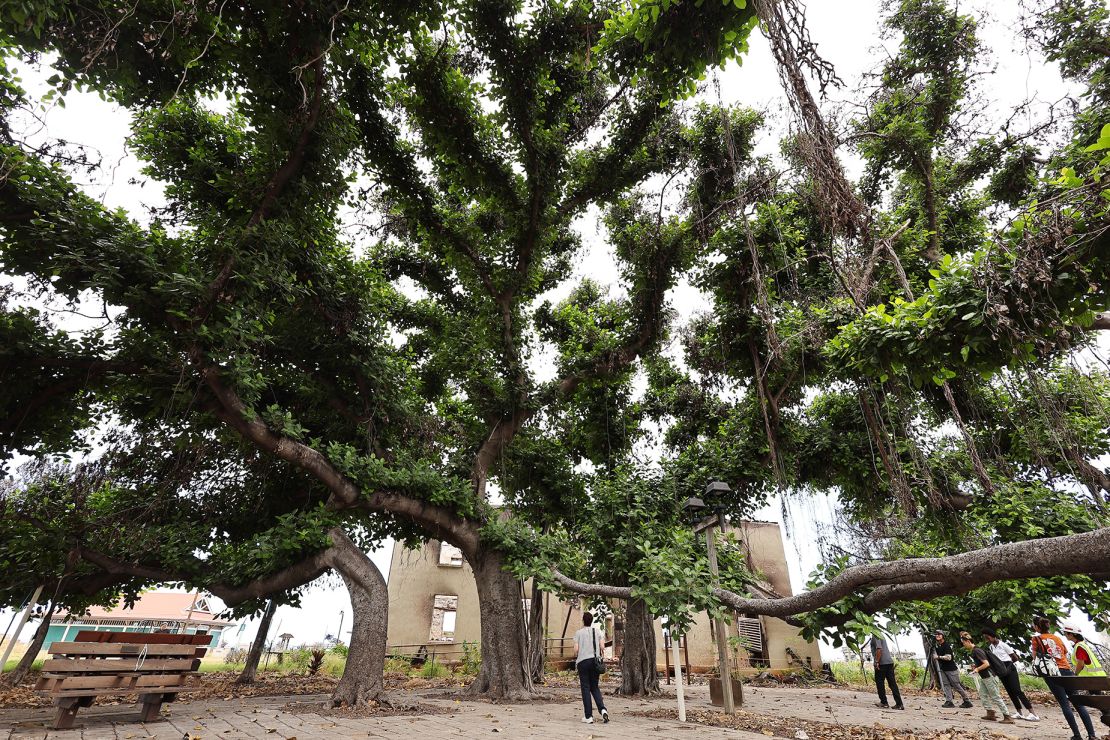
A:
<point x="847" y="35"/>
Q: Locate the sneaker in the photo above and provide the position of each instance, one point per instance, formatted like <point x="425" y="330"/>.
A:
<point x="1007" y="720"/>
<point x="605" y="716"/>
<point x="948" y="705"/>
<point x="587" y="720"/>
<point x="966" y="705"/>
<point x="1032" y="717"/>
<point x="883" y="706"/>
<point x="899" y="706"/>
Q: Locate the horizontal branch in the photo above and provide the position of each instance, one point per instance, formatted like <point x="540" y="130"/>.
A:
<point x="918" y="578"/>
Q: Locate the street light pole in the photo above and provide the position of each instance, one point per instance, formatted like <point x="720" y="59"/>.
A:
<point x="694" y="506"/>
<point x="339" y="634"/>
<point x="719" y="626"/>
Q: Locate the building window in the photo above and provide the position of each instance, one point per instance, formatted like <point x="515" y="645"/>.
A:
<point x="450" y="556"/>
<point x="444" y="610"/>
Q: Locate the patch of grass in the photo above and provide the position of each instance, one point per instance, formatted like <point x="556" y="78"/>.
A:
<point x="398" y="665"/>
<point x="1032" y="683"/>
<point x="434" y="669"/>
<point x="218" y="667"/>
<point x="907" y="672"/>
<point x="11" y="664"/>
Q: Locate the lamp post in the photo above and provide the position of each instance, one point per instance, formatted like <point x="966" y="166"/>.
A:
<point x="694" y="506"/>
<point x="339" y="634"/>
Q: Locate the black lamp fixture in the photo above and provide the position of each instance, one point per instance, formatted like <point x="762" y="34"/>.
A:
<point x="717" y="492"/>
<point x="716" y="489"/>
<point x="693" y="508"/>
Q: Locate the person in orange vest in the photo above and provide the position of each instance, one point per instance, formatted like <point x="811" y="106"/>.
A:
<point x="1053" y="654"/>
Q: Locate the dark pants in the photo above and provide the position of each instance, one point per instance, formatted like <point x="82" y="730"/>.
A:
<point x="1012" y="682"/>
<point x="1063" y="698"/>
<point x="886" y="671"/>
<point x="588" y="677"/>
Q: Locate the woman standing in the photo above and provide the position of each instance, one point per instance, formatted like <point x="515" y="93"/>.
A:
<point x="1053" y="654"/>
<point x="1009" y="676"/>
<point x="590" y="642"/>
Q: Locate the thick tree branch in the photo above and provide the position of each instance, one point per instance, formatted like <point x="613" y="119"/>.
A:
<point x="918" y="578"/>
<point x="344" y="492"/>
<point x="298" y="574"/>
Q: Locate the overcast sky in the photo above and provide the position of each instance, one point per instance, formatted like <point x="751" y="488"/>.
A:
<point x="847" y="34"/>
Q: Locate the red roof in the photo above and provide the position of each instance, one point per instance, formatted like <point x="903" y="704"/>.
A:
<point x="166" y="606"/>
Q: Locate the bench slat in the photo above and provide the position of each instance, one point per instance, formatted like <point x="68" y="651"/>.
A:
<point x="143" y="638"/>
<point x="55" y="683"/>
<point x="142" y="690"/>
<point x="127" y="665"/>
<point x="118" y="648"/>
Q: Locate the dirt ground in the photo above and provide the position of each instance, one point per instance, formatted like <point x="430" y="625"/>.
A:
<point x="791" y="711"/>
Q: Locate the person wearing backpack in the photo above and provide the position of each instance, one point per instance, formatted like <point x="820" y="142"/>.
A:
<point x="1007" y="672"/>
<point x="1053" y="655"/>
<point x="590" y="663"/>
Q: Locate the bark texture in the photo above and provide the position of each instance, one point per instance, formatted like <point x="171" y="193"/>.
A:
<point x="639" y="674"/>
<point x="363" y="676"/>
<point x="28" y="659"/>
<point x="504" y="674"/>
<point x="250" y="670"/>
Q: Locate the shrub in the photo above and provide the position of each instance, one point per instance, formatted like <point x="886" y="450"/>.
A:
<point x="296" y="661"/>
<point x="340" y="649"/>
<point x="471" y="659"/>
<point x="236" y="656"/>
<point x="317" y="661"/>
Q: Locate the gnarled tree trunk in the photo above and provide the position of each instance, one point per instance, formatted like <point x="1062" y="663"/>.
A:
<point x="250" y="670"/>
<point x="28" y="659"/>
<point x="363" y="677"/>
<point x="639" y="676"/>
<point x="504" y="673"/>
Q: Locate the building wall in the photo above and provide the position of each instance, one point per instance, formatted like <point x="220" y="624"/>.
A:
<point x="416" y="577"/>
<point x="768" y="556"/>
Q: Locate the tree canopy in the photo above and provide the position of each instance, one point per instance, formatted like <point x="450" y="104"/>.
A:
<point x="358" y="305"/>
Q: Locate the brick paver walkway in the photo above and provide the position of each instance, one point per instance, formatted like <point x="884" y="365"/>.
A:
<point x="265" y="719"/>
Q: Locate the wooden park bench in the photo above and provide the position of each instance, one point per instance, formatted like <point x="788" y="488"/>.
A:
<point x="154" y="666"/>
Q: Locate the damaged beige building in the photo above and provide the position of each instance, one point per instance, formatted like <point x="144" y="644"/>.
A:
<point x="433" y="607"/>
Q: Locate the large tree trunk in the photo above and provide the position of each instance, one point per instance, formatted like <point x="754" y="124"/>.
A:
<point x="363" y="677"/>
<point x="536" y="646"/>
<point x="28" y="659"/>
<point x="639" y="675"/>
<point x="250" y="670"/>
<point x="504" y="674"/>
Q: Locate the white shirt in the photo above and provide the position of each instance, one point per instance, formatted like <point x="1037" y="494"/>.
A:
<point x="1002" y="651"/>
<point x="585" y="639"/>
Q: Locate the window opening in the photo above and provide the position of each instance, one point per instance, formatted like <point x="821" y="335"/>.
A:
<point x="444" y="611"/>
